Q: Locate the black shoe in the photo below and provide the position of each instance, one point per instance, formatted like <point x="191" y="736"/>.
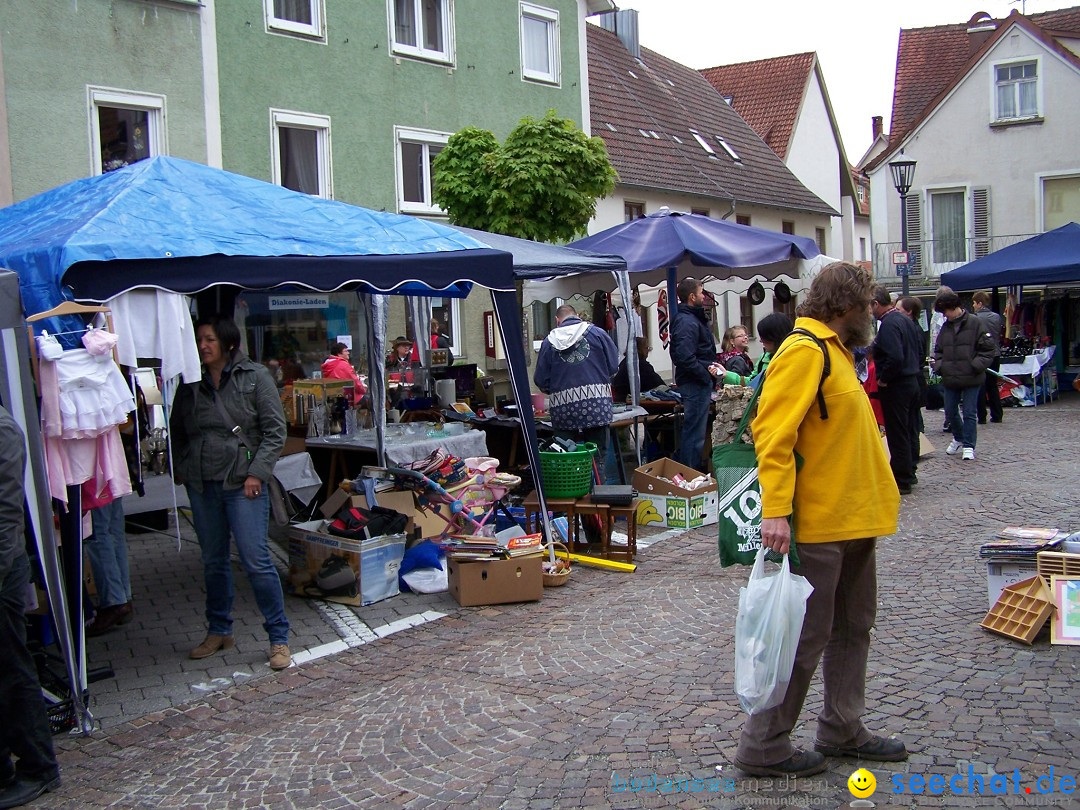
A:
<point x="981" y="421"/>
<point x="880" y="749"/>
<point x="24" y="790"/>
<point x="7" y="772"/>
<point x="995" y="421"/>
<point x="914" y="480"/>
<point x="801" y="763"/>
<point x="905" y="489"/>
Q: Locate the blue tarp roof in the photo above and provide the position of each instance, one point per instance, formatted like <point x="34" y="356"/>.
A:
<point x="535" y="260"/>
<point x="1049" y="258"/>
<point x="182" y="226"/>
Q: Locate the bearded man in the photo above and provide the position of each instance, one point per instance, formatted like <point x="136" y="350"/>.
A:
<point x="841" y="499"/>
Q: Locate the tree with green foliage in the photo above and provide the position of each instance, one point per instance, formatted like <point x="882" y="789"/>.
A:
<point x="541" y="184"/>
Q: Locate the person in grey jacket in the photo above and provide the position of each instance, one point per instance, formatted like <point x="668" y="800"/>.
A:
<point x="962" y="353"/>
<point x="995" y="325"/>
<point x="24" y="731"/>
<point x="227" y="432"/>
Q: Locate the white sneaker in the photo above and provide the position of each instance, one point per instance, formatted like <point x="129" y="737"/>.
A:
<point x="953" y="448"/>
<point x="969" y="454"/>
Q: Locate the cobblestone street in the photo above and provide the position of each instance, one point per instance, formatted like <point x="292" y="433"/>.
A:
<point x="613" y="677"/>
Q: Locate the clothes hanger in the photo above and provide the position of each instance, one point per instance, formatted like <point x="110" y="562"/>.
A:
<point x="66" y="308"/>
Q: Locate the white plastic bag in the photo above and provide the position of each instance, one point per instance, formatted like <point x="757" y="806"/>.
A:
<point x="767" y="630"/>
<point x="427" y="580"/>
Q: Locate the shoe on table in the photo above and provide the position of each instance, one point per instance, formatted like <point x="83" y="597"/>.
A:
<point x="279" y="656"/>
<point x="24" y="790"/>
<point x="953" y="448"/>
<point x="969" y="454"/>
<point x="880" y="749"/>
<point x="801" y="763"/>
<point x="210" y="645"/>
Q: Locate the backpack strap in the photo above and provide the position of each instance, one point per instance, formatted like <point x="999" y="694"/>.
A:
<point x="826" y="369"/>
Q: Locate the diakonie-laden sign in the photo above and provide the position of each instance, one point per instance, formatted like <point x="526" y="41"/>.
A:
<point x="299" y="302"/>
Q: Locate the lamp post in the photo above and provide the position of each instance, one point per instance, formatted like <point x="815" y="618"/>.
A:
<point x="903" y="174"/>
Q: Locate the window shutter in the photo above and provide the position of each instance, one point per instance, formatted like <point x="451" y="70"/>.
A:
<point x="914" y="233"/>
<point x="980" y="220"/>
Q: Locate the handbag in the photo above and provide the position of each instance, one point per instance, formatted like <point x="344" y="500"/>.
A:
<point x="739" y="492"/>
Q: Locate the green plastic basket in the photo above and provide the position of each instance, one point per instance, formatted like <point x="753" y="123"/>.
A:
<point x="568" y="475"/>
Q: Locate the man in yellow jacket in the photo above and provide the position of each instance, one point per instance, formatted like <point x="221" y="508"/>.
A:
<point x="843" y="497"/>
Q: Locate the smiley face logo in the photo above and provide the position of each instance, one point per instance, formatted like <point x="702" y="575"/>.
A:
<point x="862" y="784"/>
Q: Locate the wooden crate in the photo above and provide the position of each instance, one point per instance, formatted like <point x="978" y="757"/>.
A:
<point x="1021" y="610"/>
<point x="1058" y="563"/>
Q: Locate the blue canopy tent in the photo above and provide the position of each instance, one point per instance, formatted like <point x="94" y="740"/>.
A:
<point x="1049" y="258"/>
<point x="657" y="246"/>
<point x="179" y="226"/>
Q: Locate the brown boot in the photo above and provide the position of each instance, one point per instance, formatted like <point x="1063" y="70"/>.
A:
<point x="125" y="613"/>
<point x="104" y="620"/>
<point x="210" y="645"/>
<point x="279" y="656"/>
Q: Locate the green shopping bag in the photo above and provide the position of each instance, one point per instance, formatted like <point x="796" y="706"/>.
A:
<point x="739" y="509"/>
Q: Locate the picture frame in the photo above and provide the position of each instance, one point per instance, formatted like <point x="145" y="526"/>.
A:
<point x="1065" y="623"/>
<point x="463" y="408"/>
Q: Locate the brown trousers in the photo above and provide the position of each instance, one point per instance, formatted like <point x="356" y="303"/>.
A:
<point x="836" y="632"/>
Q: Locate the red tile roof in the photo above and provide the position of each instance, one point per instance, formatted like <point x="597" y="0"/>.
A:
<point x="661" y="96"/>
<point x="930" y="61"/>
<point x="767" y="93"/>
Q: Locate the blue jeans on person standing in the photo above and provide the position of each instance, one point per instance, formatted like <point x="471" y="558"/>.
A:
<point x="217" y="512"/>
<point x="107" y="549"/>
<point x="962" y="402"/>
<point x="695" y="402"/>
<point x="25" y="730"/>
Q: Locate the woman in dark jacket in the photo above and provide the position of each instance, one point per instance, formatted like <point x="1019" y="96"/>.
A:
<point x="227" y="432"/>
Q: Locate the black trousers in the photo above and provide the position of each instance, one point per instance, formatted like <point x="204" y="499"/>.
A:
<point x="24" y="731"/>
<point x="991" y="394"/>
<point x="900" y="405"/>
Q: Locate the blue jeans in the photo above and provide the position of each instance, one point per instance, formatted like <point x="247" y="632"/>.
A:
<point x="217" y="512"/>
<point x="966" y="401"/>
<point x="695" y="402"/>
<point x="25" y="729"/>
<point x="107" y="549"/>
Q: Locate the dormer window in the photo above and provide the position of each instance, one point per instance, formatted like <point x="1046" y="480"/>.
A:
<point x="1016" y="90"/>
<point x="727" y="148"/>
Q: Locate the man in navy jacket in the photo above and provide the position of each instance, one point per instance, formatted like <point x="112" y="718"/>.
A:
<point x="693" y="353"/>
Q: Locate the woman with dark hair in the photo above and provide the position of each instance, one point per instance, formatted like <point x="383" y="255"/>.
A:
<point x="227" y="432"/>
<point x="338" y="367"/>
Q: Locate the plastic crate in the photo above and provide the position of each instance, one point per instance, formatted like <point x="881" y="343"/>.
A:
<point x="568" y="475"/>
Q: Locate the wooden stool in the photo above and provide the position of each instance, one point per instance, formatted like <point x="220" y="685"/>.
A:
<point x="630" y="513"/>
<point x="585" y="507"/>
<point x="531" y="505"/>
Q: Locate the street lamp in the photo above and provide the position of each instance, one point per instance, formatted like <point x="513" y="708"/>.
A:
<point x="903" y="175"/>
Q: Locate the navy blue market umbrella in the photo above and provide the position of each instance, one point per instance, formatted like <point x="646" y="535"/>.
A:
<point x="1049" y="258"/>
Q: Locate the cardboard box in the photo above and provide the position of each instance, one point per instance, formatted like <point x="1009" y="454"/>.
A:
<point x="495" y="582"/>
<point x="664" y="503"/>
<point x="1000" y="574"/>
<point x="352" y="572"/>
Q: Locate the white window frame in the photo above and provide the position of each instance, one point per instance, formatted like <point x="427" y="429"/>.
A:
<point x="552" y="305"/>
<point x="278" y="25"/>
<point x="151" y="103"/>
<point x="995" y="117"/>
<point x="929" y="234"/>
<point x="425" y="138"/>
<point x="550" y="17"/>
<point x="1040" y="190"/>
<point x="298" y="120"/>
<point x="418" y="51"/>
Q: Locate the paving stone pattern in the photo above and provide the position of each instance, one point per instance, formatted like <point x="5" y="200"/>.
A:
<point x="614" y="675"/>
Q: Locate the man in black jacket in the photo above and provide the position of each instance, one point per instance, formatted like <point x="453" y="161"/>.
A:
<point x="24" y="731"/>
<point x="897" y="353"/>
<point x="995" y="325"/>
<point x="963" y="352"/>
<point x="693" y="353"/>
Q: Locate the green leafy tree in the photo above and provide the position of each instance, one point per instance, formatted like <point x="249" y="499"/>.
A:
<point x="542" y="183"/>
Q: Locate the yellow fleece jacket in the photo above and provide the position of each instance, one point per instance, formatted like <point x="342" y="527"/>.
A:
<point x="844" y="489"/>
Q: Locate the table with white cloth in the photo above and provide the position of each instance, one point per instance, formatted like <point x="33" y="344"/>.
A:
<point x="403" y="444"/>
<point x="1037" y="367"/>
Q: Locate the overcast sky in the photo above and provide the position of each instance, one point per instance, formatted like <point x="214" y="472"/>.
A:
<point x="855" y="41"/>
